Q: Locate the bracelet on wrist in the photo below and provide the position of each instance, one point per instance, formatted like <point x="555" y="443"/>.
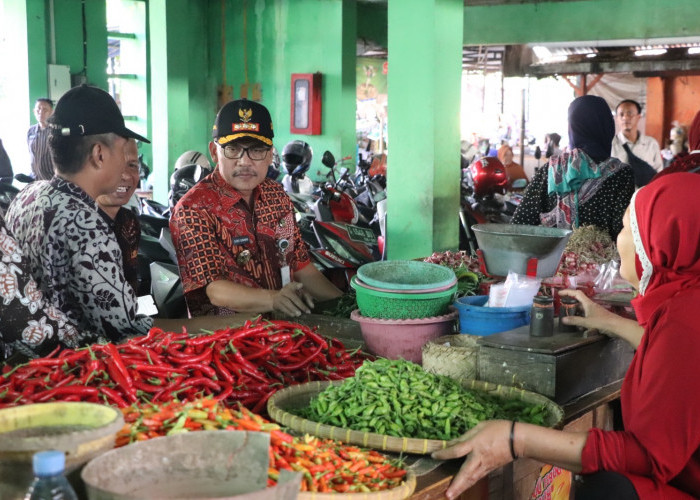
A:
<point x="512" y="438"/>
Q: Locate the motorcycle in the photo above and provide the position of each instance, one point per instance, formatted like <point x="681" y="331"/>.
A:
<point x="485" y="199"/>
<point x="343" y="238"/>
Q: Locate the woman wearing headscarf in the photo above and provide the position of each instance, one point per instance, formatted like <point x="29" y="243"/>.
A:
<point x="514" y="170"/>
<point x="688" y="162"/>
<point x="658" y="453"/>
<point x="583" y="185"/>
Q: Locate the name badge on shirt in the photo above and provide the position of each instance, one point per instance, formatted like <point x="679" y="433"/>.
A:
<point x="241" y="240"/>
<point x="286" y="275"/>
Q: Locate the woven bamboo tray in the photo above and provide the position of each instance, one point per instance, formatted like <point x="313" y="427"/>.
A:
<point x="299" y="396"/>
<point x="458" y="360"/>
<point x="404" y="490"/>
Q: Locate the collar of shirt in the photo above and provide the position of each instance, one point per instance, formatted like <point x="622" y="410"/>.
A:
<point x="227" y="190"/>
<point x="73" y="190"/>
<point x="625" y="140"/>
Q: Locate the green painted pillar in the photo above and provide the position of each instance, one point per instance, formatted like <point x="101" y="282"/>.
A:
<point x="425" y="69"/>
<point x="169" y="89"/>
<point x="37" y="57"/>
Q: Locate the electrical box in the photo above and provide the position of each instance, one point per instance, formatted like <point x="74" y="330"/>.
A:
<point x="306" y="104"/>
<point x="59" y="81"/>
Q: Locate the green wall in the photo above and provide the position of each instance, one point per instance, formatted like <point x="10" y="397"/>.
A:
<point x="586" y="20"/>
<point x="183" y="95"/>
<point x="69" y="39"/>
<point x="279" y="38"/>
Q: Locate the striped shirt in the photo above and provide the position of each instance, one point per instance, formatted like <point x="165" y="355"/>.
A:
<point x="38" y="142"/>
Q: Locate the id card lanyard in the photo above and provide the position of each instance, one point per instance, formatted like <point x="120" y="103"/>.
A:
<point x="285" y="272"/>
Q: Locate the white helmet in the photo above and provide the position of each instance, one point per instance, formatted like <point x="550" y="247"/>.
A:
<point x="192" y="158"/>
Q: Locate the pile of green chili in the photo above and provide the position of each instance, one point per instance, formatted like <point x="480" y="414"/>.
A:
<point x="398" y="398"/>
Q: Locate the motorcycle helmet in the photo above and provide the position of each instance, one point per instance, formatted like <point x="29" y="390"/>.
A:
<point x="192" y="157"/>
<point x="488" y="176"/>
<point x="296" y="157"/>
<point x="187" y="175"/>
<point x="273" y="170"/>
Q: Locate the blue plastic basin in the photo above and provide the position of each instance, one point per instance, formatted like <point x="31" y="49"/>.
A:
<point x="475" y="319"/>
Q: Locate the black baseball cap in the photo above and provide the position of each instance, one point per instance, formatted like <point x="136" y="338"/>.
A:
<point x="242" y="118"/>
<point x="87" y="110"/>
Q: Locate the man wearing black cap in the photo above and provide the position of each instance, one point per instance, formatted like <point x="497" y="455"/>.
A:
<point x="237" y="242"/>
<point x="73" y="254"/>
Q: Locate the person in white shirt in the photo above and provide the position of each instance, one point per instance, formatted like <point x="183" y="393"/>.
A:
<point x="640" y="151"/>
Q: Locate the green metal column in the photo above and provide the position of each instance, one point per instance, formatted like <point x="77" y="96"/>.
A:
<point x="169" y="89"/>
<point x="425" y="68"/>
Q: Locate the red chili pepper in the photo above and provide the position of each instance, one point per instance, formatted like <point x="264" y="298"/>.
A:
<point x="208" y="339"/>
<point x="119" y="363"/>
<point x="201" y="368"/>
<point x="126" y="385"/>
<point x="191" y="358"/>
<point x="78" y="390"/>
<point x="113" y="396"/>
<point x="222" y="371"/>
<point x="202" y="381"/>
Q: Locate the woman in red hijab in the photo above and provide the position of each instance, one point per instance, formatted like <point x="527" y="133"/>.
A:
<point x="658" y="453"/>
<point x="688" y="162"/>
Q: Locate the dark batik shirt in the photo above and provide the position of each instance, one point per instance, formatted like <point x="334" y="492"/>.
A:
<point x="28" y="325"/>
<point x="75" y="258"/>
<point x="127" y="229"/>
<point x="213" y="229"/>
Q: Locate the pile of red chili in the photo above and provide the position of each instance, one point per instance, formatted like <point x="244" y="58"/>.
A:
<point x="246" y="364"/>
<point x="326" y="465"/>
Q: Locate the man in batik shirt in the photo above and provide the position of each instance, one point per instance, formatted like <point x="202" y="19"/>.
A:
<point x="238" y="246"/>
<point x="29" y="327"/>
<point x="73" y="254"/>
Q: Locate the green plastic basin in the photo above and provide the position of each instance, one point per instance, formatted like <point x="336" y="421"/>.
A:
<point x="397" y="305"/>
<point x="405" y="275"/>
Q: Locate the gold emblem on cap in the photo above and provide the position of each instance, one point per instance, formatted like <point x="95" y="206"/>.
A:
<point x="245" y="114"/>
<point x="243" y="258"/>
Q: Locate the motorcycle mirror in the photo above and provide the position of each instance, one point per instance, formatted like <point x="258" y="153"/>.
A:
<point x="519" y="183"/>
<point x="538" y="153"/>
<point x="328" y="159"/>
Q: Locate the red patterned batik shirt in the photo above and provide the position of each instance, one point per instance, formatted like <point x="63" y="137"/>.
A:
<point x="217" y="236"/>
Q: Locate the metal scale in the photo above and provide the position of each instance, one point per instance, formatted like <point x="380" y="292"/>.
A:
<point x="564" y="366"/>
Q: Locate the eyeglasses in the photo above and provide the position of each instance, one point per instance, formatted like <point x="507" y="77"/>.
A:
<point x="627" y="114"/>
<point x="235" y="152"/>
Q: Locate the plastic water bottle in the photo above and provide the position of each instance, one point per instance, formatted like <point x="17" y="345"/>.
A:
<point x="49" y="482"/>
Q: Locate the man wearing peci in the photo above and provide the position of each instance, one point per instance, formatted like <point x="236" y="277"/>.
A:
<point x="238" y="246"/>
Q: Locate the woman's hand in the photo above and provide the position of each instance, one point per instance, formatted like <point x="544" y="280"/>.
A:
<point x="594" y="316"/>
<point x="487" y="447"/>
<point x="598" y="317"/>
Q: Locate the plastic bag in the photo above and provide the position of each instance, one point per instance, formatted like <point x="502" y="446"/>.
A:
<point x="609" y="279"/>
<point x="518" y="290"/>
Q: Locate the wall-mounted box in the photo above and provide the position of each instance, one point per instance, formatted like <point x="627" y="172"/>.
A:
<point x="59" y="81"/>
<point x="306" y="104"/>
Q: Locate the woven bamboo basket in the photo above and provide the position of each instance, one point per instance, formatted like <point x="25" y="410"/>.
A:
<point x="299" y="396"/>
<point x="404" y="490"/>
<point x="455" y="356"/>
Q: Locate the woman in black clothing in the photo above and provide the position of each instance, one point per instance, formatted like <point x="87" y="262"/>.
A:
<point x="583" y="185"/>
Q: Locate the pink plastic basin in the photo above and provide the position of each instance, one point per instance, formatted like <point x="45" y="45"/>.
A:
<point x="403" y="338"/>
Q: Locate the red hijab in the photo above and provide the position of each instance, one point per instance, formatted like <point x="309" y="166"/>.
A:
<point x="686" y="161"/>
<point x="666" y="231"/>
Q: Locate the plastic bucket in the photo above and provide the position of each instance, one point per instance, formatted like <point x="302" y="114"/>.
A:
<point x="475" y="319"/>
